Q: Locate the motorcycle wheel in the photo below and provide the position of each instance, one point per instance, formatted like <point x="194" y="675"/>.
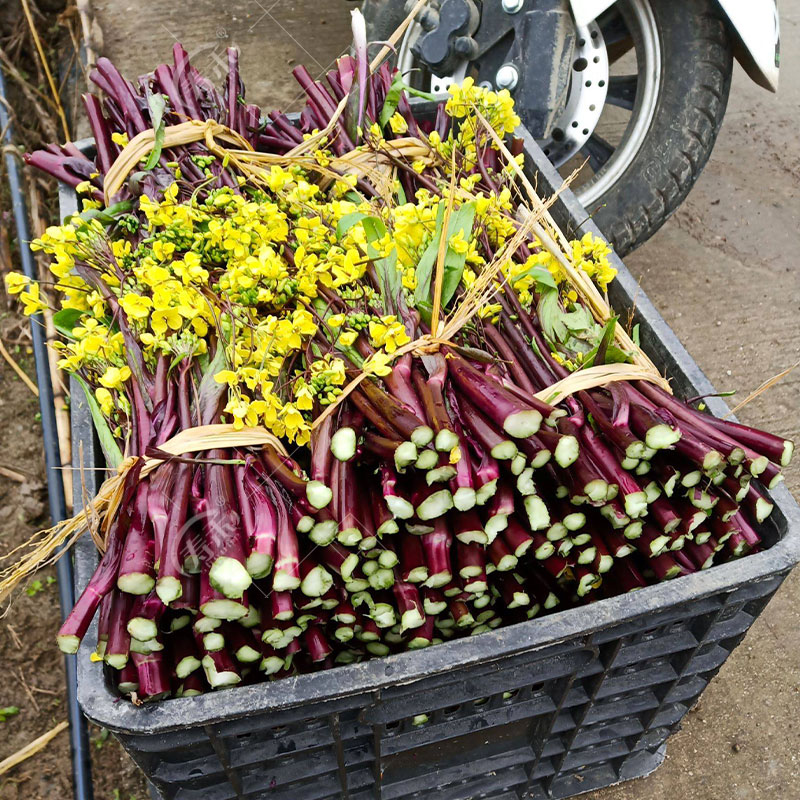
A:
<point x="669" y="72"/>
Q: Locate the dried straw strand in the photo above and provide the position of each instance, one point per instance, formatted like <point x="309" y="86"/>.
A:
<point x="18" y="369"/>
<point x="32" y="748"/>
<point x="768" y="384"/>
<point x="49" y="75"/>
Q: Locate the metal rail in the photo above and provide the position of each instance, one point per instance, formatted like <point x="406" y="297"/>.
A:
<point x="79" y="738"/>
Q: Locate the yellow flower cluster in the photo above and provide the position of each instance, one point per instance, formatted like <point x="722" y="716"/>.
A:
<point x="496" y="107"/>
<point x="388" y="333"/>
<point x="590" y="254"/>
<point x="248" y="274"/>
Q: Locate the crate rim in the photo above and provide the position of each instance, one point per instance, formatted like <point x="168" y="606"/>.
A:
<point x="104" y="708"/>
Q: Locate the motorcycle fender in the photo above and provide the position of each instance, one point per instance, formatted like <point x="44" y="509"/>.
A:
<point x="758" y="30"/>
<point x="754" y="21"/>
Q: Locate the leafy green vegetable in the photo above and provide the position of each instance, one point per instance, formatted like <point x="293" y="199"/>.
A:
<point x="110" y="448"/>
<point x="107" y="216"/>
<point x="461" y="221"/>
<point x="542" y="277"/>
<point x="347" y="222"/>
<point x="576" y="332"/>
<point x="550" y="316"/>
<point x="386" y="267"/>
<point x="426" y="263"/>
<point x="598" y="355"/>
<point x="393" y="98"/>
<point x="157" y="108"/>
<point x="65" y="320"/>
<point x="425" y="309"/>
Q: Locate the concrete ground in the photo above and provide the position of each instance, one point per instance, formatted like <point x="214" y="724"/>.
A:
<point x="724" y="273"/>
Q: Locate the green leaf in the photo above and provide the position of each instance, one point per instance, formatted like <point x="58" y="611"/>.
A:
<point x="474" y="354"/>
<point x="578" y="320"/>
<point x="373" y="228"/>
<point x="386" y="267"/>
<point x="157" y="107"/>
<point x="614" y="355"/>
<point x="606" y="352"/>
<point x="8" y="711"/>
<point x="427" y="261"/>
<point x="541" y="276"/>
<point x="460" y="221"/>
<point x="550" y="314"/>
<point x="606" y="340"/>
<point x="210" y="392"/>
<point x="347" y="222"/>
<point x="425" y="309"/>
<point x="389" y="278"/>
<point x="107" y="216"/>
<point x="107" y="441"/>
<point x="635" y="335"/>
<point x="65" y="320"/>
<point x="393" y="98"/>
<point x="419" y="93"/>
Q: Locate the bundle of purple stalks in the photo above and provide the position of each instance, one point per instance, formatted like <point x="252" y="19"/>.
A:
<point x="442" y="497"/>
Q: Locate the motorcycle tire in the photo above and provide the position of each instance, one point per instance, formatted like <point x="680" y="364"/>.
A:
<point x="687" y="117"/>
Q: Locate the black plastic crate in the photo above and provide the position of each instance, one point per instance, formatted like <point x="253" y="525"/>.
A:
<point x="549" y="708"/>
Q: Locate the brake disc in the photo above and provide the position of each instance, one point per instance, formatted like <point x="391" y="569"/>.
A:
<point x="585" y="98"/>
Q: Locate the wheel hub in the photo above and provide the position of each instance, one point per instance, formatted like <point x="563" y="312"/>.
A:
<point x="590" y="88"/>
<point x="585" y="98"/>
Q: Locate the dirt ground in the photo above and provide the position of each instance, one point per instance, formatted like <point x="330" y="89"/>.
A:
<point x="723" y="272"/>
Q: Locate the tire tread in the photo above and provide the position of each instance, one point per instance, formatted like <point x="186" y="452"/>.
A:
<point x="648" y="204"/>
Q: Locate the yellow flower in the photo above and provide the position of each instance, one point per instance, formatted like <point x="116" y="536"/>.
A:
<point x="163" y="250"/>
<point x="489" y="311"/>
<point x="105" y="400"/>
<point x="164" y="319"/>
<point x="135" y="306"/>
<point x="16" y="282"/>
<point x="377" y="364"/>
<point x="227" y="376"/>
<point x="397" y="123"/>
<point x="115" y="377"/>
<point x="303" y="323"/>
<point x="304" y="398"/>
<point x="291" y="416"/>
<point x="457" y="243"/>
<point x="347" y="338"/>
<point x="31" y="302"/>
<point x="238" y="408"/>
<point x="389" y="333"/>
<point x="335" y="320"/>
<point x="119" y="138"/>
